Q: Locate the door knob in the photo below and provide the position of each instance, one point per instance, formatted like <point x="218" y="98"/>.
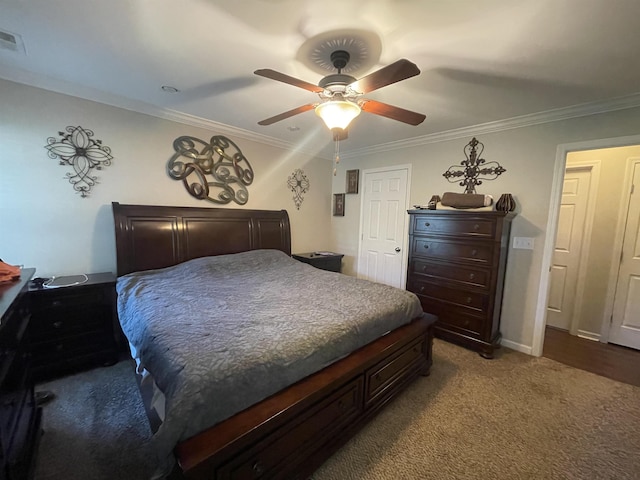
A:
<point x="397" y="249"/>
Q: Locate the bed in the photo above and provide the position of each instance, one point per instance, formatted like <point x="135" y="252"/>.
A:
<point x="317" y="405"/>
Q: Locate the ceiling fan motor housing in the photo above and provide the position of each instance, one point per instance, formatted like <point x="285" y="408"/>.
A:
<point x="340" y="58"/>
<point x="337" y="83"/>
<point x="337" y="79"/>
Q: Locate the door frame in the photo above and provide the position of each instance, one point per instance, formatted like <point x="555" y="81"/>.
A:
<point x="618" y="242"/>
<point x="405" y="233"/>
<point x="540" y="319"/>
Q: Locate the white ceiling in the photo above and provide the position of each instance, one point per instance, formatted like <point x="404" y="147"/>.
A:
<point x="481" y="60"/>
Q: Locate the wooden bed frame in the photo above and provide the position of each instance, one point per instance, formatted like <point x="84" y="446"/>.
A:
<point x="291" y="433"/>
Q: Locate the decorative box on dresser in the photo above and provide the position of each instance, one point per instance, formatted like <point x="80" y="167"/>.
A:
<point x="457" y="262"/>
<point x="73" y="327"/>
<point x="20" y="417"/>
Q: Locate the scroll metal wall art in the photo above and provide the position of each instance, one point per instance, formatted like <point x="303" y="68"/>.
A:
<point x="218" y="165"/>
<point x="77" y="149"/>
<point x="474" y="169"/>
<point x="298" y="183"/>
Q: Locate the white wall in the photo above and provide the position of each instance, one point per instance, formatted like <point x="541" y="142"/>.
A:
<point x="529" y="156"/>
<point x="45" y="224"/>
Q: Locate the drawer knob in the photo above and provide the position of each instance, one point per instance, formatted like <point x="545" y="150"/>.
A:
<point x="476" y="227"/>
<point x="466" y="323"/>
<point x="257" y="468"/>
<point x="422" y="289"/>
<point x="468" y="299"/>
<point x="472" y="276"/>
<point x="57" y="324"/>
<point x="377" y="377"/>
<point x="474" y="252"/>
<point x="342" y="405"/>
<point x="425" y="269"/>
<point x="56" y="303"/>
<point x="426" y="245"/>
<point x="427" y="224"/>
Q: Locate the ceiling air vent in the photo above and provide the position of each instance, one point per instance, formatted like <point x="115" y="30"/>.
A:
<point x="11" y="41"/>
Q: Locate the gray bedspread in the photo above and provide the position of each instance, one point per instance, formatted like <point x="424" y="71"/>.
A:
<point x="219" y="334"/>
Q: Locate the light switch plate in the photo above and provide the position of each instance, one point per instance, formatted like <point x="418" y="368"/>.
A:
<point x="525" y="243"/>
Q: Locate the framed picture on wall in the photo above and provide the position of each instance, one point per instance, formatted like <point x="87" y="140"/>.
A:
<point x="353" y="177"/>
<point x="338" y="204"/>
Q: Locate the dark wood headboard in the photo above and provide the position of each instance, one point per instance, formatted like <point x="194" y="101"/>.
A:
<point x="151" y="236"/>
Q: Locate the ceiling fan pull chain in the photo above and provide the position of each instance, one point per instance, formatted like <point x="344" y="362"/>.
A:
<point x="337" y="157"/>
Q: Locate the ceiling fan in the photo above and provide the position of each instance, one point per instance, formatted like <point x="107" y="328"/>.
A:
<point x="341" y="96"/>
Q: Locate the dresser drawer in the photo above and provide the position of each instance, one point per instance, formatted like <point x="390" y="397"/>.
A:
<point x="60" y="298"/>
<point x="465" y="275"/>
<point x="49" y="325"/>
<point x="269" y="458"/>
<point x="446" y="225"/>
<point x="474" y="303"/>
<point x="71" y="346"/>
<point x="453" y="317"/>
<point x="457" y="251"/>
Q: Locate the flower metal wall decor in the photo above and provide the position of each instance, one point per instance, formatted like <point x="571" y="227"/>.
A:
<point x="77" y="149"/>
<point x="473" y="169"/>
<point x="218" y="164"/>
<point x="298" y="184"/>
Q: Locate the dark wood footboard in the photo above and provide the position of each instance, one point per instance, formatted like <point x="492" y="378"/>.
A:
<point x="290" y="434"/>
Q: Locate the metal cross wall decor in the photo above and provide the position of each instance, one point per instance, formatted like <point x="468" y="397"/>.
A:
<point x="473" y="169"/>
<point x="77" y="149"/>
<point x="221" y="159"/>
<point x="298" y="183"/>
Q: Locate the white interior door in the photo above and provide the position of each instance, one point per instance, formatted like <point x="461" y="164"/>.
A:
<point x="569" y="240"/>
<point x="625" y="323"/>
<point x="382" y="257"/>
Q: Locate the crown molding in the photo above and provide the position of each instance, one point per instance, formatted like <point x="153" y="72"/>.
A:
<point x="94" y="95"/>
<point x="548" y="116"/>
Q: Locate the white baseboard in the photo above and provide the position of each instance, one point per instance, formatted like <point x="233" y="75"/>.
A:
<point x="517" y="346"/>
<point x="589" y="335"/>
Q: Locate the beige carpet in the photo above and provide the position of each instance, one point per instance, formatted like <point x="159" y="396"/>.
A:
<point x="514" y="417"/>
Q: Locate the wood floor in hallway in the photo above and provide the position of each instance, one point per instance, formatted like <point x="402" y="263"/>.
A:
<point x="611" y="361"/>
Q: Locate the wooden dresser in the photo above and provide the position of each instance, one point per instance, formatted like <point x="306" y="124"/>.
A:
<point x="20" y="417"/>
<point x="457" y="262"/>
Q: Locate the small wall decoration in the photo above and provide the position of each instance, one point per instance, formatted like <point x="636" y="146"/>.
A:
<point x="353" y="177"/>
<point x="221" y="159"/>
<point x="298" y="183"/>
<point x="77" y="149"/>
<point x="473" y="169"/>
<point x="338" y="204"/>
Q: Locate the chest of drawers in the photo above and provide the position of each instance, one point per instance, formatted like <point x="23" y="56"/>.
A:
<point x="73" y="327"/>
<point x="457" y="262"/>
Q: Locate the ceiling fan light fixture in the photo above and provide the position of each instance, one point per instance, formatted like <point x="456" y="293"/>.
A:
<point x="338" y="113"/>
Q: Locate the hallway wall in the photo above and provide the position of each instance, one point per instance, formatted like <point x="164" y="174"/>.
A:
<point x="600" y="256"/>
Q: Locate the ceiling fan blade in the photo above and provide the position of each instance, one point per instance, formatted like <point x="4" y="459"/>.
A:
<point x="281" y="77"/>
<point x="400" y="70"/>
<point x="287" y="114"/>
<point x="395" y="113"/>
